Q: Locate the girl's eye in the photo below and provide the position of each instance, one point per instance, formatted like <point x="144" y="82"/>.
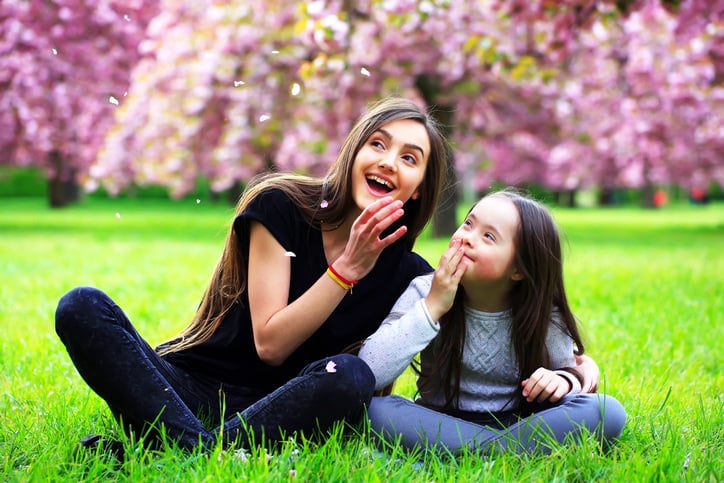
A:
<point x="489" y="236"/>
<point x="467" y="223"/>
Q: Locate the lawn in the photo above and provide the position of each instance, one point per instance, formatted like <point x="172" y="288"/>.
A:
<point x="648" y="287"/>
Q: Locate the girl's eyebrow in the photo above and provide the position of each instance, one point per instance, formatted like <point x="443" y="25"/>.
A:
<point x="486" y="225"/>
<point x="407" y="145"/>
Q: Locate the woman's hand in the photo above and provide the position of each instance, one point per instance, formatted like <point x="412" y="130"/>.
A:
<point x="364" y="244"/>
<point x="589" y="371"/>
<point x="446" y="280"/>
<point x="545" y="385"/>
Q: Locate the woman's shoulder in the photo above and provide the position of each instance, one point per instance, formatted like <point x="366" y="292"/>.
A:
<point x="274" y="209"/>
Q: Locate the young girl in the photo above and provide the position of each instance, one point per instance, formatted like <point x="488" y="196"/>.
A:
<point x="499" y="342"/>
<point x="264" y="353"/>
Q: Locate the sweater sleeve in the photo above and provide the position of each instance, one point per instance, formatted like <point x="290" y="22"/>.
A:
<point x="402" y="335"/>
<point x="560" y="351"/>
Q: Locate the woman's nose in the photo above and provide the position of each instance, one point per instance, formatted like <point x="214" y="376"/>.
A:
<point x="387" y="161"/>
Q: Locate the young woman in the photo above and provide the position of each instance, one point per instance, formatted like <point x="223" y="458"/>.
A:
<point x="310" y="267"/>
<point x="498" y="342"/>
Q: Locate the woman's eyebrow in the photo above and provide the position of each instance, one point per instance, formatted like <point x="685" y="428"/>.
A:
<point x="407" y="145"/>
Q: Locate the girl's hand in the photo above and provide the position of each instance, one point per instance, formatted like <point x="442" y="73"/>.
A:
<point x="446" y="279"/>
<point x="364" y="244"/>
<point x="545" y="385"/>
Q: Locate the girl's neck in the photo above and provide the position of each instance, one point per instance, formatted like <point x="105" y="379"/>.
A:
<point x="488" y="298"/>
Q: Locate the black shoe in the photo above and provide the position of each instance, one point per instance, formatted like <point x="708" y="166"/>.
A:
<point x="95" y="442"/>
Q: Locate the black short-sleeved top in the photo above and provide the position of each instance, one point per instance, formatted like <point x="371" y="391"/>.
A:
<point x="230" y="356"/>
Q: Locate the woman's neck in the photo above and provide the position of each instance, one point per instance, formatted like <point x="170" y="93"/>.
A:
<point x="334" y="239"/>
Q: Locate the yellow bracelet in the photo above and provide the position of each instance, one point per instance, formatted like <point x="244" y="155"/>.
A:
<point x="340" y="282"/>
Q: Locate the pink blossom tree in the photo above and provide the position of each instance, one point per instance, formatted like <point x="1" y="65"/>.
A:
<point x="639" y="103"/>
<point x="64" y="67"/>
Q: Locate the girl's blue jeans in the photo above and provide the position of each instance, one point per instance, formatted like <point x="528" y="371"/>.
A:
<point x="146" y="393"/>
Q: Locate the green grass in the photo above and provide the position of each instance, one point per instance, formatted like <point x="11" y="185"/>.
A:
<point x="648" y="287"/>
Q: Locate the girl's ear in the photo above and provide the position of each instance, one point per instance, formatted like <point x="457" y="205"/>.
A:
<point x="516" y="276"/>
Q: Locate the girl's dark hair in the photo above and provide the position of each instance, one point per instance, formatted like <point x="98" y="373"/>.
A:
<point x="228" y="282"/>
<point x="533" y="301"/>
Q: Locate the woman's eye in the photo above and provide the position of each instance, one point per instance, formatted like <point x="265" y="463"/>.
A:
<point x="377" y="144"/>
<point x="410" y="158"/>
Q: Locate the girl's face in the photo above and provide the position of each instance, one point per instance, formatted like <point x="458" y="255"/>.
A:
<point x="488" y="235"/>
<point x="391" y="162"/>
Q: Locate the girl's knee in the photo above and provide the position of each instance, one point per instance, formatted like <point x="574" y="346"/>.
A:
<point x="614" y="417"/>
<point x="605" y="409"/>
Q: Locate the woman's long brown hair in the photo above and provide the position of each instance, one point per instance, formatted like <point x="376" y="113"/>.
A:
<point x="533" y="301"/>
<point x="228" y="282"/>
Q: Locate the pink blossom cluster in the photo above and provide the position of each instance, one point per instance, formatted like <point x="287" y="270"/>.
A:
<point x="568" y="93"/>
<point x="65" y="66"/>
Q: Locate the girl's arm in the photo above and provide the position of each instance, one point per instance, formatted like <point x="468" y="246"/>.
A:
<point x="413" y="322"/>
<point x="551" y="384"/>
<point x="281" y="327"/>
<point x="403" y="334"/>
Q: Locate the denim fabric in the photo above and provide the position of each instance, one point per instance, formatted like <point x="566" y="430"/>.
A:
<point x="394" y="418"/>
<point x="141" y="388"/>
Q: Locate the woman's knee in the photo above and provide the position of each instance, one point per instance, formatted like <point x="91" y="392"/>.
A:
<point x="353" y="375"/>
<point x="77" y="309"/>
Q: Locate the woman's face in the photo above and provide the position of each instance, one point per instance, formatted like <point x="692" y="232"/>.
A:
<point x="391" y="162"/>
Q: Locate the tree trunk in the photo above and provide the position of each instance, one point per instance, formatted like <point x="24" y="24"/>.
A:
<point x="565" y="198"/>
<point x="444" y="221"/>
<point x="606" y="197"/>
<point x="63" y="189"/>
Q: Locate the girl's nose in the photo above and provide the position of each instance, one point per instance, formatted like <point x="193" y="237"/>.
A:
<point x="465" y="238"/>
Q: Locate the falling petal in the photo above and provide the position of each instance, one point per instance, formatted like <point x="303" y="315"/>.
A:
<point x="242" y="455"/>
<point x="118" y="216"/>
<point x="239" y="83"/>
<point x="113" y="100"/>
<point x="274" y="52"/>
<point x="125" y="94"/>
<point x="198" y="201"/>
<point x="331" y="366"/>
<point x="126" y="18"/>
<point x="364" y="72"/>
<point x="296" y="89"/>
<point x="324" y="204"/>
<point x="290" y="254"/>
<point x="264" y="117"/>
<point x="55" y="51"/>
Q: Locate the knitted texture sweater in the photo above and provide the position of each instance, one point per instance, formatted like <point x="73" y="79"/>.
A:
<point x="489" y="376"/>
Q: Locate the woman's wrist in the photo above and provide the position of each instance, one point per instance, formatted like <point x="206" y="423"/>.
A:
<point x="341" y="280"/>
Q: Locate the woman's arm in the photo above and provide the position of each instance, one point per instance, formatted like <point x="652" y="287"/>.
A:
<point x="281" y="327"/>
<point x="589" y="373"/>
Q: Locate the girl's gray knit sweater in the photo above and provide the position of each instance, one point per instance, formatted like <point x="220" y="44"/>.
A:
<point x="489" y="375"/>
